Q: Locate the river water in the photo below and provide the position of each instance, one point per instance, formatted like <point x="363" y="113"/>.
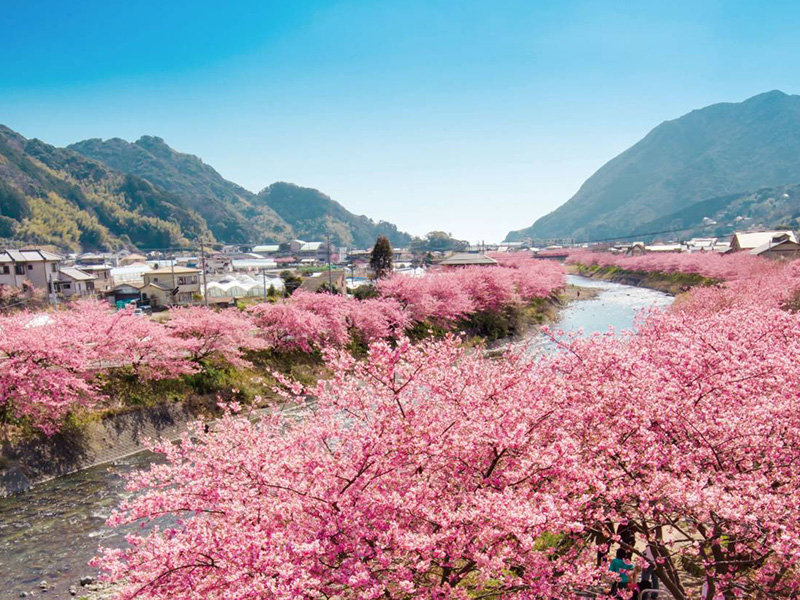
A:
<point x="50" y="532"/>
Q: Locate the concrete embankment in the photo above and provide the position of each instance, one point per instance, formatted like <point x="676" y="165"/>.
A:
<point x="106" y="439"/>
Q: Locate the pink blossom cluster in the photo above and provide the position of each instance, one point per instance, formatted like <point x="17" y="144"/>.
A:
<point x="774" y="285"/>
<point x="722" y="267"/>
<point x="450" y="295"/>
<point x="428" y="471"/>
<point x="308" y="321"/>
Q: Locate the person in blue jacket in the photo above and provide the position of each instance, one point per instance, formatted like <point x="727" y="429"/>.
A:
<point x="623" y="568"/>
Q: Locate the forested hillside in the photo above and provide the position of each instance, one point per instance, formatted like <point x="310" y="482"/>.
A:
<point x="55" y="196"/>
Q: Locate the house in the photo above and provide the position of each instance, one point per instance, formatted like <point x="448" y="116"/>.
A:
<point x="170" y="285"/>
<point x="125" y="293"/>
<point x="317" y="251"/>
<point x="72" y="283"/>
<point x="295" y="245"/>
<point x="37" y="267"/>
<point x="467" y="259"/>
<point x="104" y="282"/>
<point x="313" y="250"/>
<point x="131" y="259"/>
<point x="778" y="248"/>
<point x="636" y="249"/>
<point x="219" y="263"/>
<point x="321" y="281"/>
<point x="701" y="244"/>
<point x="750" y="240"/>
<point x="91" y="259"/>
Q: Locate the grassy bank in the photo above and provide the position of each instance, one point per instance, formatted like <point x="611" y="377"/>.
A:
<point x="670" y="283"/>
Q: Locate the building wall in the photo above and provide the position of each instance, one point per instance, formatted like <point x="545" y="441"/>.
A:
<point x="76" y="289"/>
<point x="188" y="285"/>
<point x="39" y="274"/>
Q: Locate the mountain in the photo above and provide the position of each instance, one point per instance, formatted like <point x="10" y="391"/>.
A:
<point x="233" y="213"/>
<point x="770" y="208"/>
<point x="312" y="213"/>
<point x="713" y="152"/>
<point x="55" y="196"/>
<point x="279" y="212"/>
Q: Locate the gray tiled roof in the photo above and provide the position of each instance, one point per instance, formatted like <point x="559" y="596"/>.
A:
<point x="11" y="256"/>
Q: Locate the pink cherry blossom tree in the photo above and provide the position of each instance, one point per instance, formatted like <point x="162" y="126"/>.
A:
<point x="215" y="334"/>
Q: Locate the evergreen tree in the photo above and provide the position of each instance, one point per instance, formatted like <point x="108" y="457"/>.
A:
<point x="381" y="260"/>
<point x="290" y="282"/>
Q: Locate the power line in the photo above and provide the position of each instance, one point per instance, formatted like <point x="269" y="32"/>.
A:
<point x="646" y="234"/>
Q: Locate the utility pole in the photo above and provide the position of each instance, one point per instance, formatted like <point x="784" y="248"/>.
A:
<point x="264" y="279"/>
<point x="174" y="283"/>
<point x="330" y="273"/>
<point x="205" y="279"/>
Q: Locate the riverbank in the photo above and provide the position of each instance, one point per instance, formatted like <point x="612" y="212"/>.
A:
<point x="669" y="283"/>
<point x="101" y="440"/>
<point x="108" y="435"/>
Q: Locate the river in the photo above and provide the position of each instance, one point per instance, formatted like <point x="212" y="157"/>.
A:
<point x="50" y="532"/>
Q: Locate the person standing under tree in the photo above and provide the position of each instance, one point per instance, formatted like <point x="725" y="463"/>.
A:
<point x="621" y="567"/>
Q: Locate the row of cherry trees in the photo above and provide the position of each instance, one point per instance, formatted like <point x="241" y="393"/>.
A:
<point x="721" y="267"/>
<point x="52" y="363"/>
<point x="317" y="321"/>
<point x="428" y="471"/>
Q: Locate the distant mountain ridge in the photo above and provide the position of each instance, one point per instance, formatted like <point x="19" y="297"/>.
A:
<point x="712" y="152"/>
<point x="313" y="213"/>
<point x="232" y="212"/>
<point x="55" y="196"/>
<point x="279" y="212"/>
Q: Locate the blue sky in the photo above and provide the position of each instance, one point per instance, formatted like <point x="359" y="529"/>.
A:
<point x="474" y="117"/>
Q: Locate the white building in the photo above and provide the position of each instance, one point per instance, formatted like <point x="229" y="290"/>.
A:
<point x="38" y="268"/>
<point x="749" y="240"/>
<point x="74" y="283"/>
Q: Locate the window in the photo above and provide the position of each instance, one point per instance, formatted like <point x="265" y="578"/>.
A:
<point x="30" y="267"/>
<point x="6" y="270"/>
<point x="53" y="267"/>
<point x="19" y="269"/>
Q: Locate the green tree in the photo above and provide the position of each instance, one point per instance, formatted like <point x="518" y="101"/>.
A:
<point x="381" y="260"/>
<point x="290" y="282"/>
<point x="438" y="241"/>
<point x="364" y="292"/>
